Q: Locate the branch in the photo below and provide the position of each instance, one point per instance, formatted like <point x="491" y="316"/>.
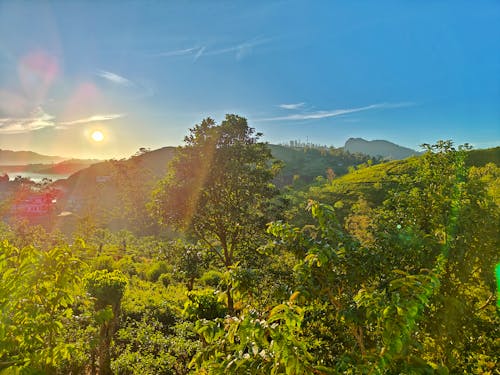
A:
<point x="490" y="298"/>
<point x="210" y="246"/>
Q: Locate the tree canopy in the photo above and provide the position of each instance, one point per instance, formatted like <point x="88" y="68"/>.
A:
<point x="219" y="188"/>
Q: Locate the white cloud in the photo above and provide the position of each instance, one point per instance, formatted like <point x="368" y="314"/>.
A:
<point x="40" y="120"/>
<point x="178" y="52"/>
<point x="336" y="112"/>
<point x="199" y="53"/>
<point x="37" y="121"/>
<point x="94" y="118"/>
<point x="241" y="50"/>
<point x="292" y="106"/>
<point x="115" y="78"/>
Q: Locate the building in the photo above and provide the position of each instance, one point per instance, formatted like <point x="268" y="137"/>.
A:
<point x="35" y="204"/>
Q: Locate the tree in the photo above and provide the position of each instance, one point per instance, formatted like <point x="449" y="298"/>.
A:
<point x="107" y="288"/>
<point x="219" y="189"/>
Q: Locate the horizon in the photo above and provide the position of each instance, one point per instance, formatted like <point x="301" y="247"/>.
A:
<point x="101" y="80"/>
<point x="284" y="143"/>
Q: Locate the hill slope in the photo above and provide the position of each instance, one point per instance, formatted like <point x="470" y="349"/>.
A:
<point x="381" y="148"/>
<point x="373" y="183"/>
<point x="8" y="157"/>
<point x="306" y="163"/>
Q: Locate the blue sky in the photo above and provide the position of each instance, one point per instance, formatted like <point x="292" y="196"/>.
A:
<point x="144" y="72"/>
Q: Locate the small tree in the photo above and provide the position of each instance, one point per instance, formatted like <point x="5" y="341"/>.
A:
<point x="107" y="288"/>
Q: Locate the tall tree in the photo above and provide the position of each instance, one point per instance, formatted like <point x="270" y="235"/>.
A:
<point x="219" y="189"/>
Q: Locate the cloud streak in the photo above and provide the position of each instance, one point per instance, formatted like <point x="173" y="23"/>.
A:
<point x="199" y="53"/>
<point x="114" y="78"/>
<point x="178" y="52"/>
<point x="41" y="120"/>
<point x="316" y="115"/>
<point x="95" y="118"/>
<point x="292" y="106"/>
<point x="38" y="121"/>
<point x="240" y="50"/>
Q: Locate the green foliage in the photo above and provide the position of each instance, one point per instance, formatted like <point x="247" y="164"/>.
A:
<point x="190" y="264"/>
<point x="219" y="189"/>
<point x="303" y="163"/>
<point x="212" y="278"/>
<point x="415" y="296"/>
<point x="157" y="269"/>
<point x="144" y="347"/>
<point x="104" y="262"/>
<point x="254" y="345"/>
<point x="146" y="300"/>
<point x="127" y="265"/>
<point x="204" y="304"/>
<point x="37" y="290"/>
<point x="393" y="274"/>
<point x="165" y="279"/>
<point x="107" y="287"/>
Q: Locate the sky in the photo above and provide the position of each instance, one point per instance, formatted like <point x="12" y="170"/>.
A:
<point x="144" y="72"/>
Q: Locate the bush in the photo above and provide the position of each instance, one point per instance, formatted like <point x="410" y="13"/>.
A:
<point x="212" y="278"/>
<point x="165" y="279"/>
<point x="157" y="269"/>
<point x="204" y="304"/>
<point x="127" y="266"/>
<point x="104" y="262"/>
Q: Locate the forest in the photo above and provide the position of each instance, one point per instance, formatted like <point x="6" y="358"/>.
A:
<point x="225" y="266"/>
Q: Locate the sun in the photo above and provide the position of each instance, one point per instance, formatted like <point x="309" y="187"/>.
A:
<point x="97" y="136"/>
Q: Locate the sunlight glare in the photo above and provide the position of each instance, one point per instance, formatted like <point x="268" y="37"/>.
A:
<point x="97" y="136"/>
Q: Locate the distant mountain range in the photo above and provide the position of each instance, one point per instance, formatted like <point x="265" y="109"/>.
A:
<point x="8" y="157"/>
<point x="384" y="149"/>
<point x="306" y="162"/>
<point x="28" y="162"/>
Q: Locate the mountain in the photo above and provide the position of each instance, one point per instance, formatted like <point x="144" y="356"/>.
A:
<point x="8" y="157"/>
<point x="64" y="168"/>
<point x="304" y="163"/>
<point x="385" y="149"/>
<point x="67" y="167"/>
<point x="145" y="168"/>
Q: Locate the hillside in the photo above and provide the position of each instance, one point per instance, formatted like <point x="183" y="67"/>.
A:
<point x="479" y="158"/>
<point x="102" y="187"/>
<point x="301" y="166"/>
<point x="66" y="167"/>
<point x="304" y="164"/>
<point x="380" y="148"/>
<point x="153" y="163"/>
<point x="8" y="157"/>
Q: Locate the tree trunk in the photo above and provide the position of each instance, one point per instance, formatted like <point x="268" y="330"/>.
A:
<point x="104" y="346"/>
<point x="230" y="302"/>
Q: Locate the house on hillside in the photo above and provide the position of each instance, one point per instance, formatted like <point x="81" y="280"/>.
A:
<point x="35" y="204"/>
<point x="102" y="179"/>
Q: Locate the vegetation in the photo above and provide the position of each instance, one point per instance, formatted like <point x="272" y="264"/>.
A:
<point x="388" y="269"/>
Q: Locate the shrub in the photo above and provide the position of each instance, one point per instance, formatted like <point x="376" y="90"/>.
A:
<point x="212" y="278"/>
<point x="157" y="269"/>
